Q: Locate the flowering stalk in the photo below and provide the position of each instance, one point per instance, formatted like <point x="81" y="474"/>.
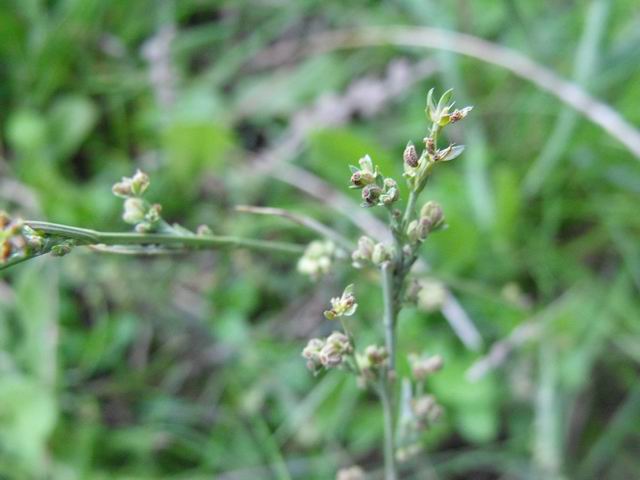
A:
<point x="376" y="367"/>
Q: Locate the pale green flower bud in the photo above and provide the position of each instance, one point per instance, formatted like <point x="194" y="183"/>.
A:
<point x="381" y="253"/>
<point x="362" y="253"/>
<point x="62" y="249"/>
<point x="134" y="210"/>
<point x="153" y="214"/>
<point x="424" y="228"/>
<point x="122" y="189"/>
<point x="412" y="231"/>
<point x="139" y="183"/>
<point x="433" y="212"/>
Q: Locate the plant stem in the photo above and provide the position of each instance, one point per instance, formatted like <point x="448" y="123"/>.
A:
<point x="386" y="387"/>
<point x="389" y="313"/>
<point x="390" y="468"/>
<point x="411" y="206"/>
<point x="92" y="237"/>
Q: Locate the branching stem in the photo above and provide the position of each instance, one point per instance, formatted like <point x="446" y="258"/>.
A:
<point x="85" y="236"/>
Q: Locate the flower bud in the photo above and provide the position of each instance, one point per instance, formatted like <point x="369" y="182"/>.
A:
<point x="312" y="353"/>
<point x="134" y="210"/>
<point x="390" y="196"/>
<point x="376" y="355"/>
<point x="389" y="183"/>
<point x="410" y="155"/>
<point x="433" y="212"/>
<point x="334" y="350"/>
<point x="422" y="367"/>
<point x="370" y="194"/>
<point x="412" y="231"/>
<point x="61" y="249"/>
<point x="426" y="410"/>
<point x="362" y="178"/>
<point x="381" y="253"/>
<point x="122" y="189"/>
<point x="139" y="183"/>
<point x="424" y="228"/>
<point x="153" y="214"/>
<point x="35" y="242"/>
<point x="430" y="145"/>
<point x="362" y="253"/>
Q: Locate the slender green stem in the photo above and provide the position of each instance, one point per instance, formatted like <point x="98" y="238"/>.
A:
<point x="409" y="211"/>
<point x="390" y="467"/>
<point x="389" y="319"/>
<point x="92" y="237"/>
<point x="386" y="387"/>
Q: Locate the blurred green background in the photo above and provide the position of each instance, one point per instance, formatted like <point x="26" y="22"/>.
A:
<point x="189" y="367"/>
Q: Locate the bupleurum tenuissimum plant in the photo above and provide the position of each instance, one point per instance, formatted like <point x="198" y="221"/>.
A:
<point x="408" y="409"/>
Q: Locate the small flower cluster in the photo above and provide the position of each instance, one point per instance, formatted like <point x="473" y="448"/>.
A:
<point x="317" y="258"/>
<point x="419" y="410"/>
<point x="426" y="411"/>
<point x="368" y="251"/>
<point x="418" y="167"/>
<point x="431" y="218"/>
<point x="376" y="190"/>
<point x="344" y="305"/>
<point x="327" y="353"/>
<point x="138" y="211"/>
<point x="372" y="364"/>
<point x="425" y="408"/>
<point x="423" y="366"/>
<point x="17" y="240"/>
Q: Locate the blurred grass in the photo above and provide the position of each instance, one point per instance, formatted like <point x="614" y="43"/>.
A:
<point x="189" y="367"/>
